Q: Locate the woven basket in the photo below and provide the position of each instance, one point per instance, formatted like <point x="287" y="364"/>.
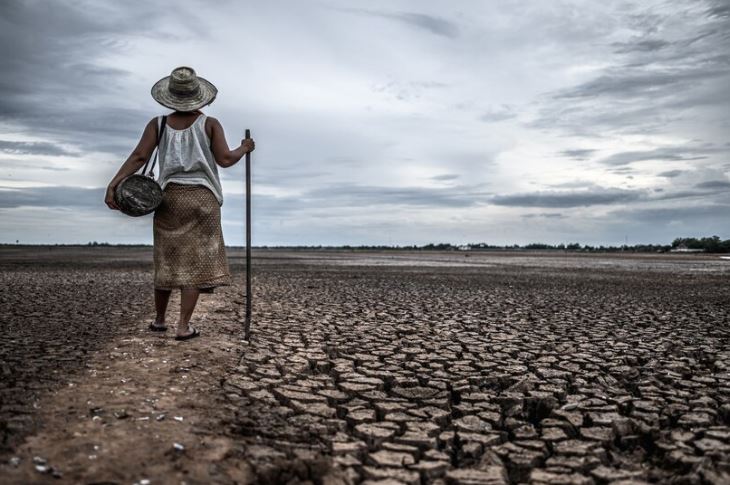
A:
<point x="138" y="195"/>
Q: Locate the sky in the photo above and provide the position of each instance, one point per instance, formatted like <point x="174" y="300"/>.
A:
<point x="382" y="122"/>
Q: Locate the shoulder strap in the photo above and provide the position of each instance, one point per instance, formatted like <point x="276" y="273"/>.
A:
<point x="160" y="130"/>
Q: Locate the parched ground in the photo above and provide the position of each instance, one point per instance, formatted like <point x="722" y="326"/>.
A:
<point x="370" y="367"/>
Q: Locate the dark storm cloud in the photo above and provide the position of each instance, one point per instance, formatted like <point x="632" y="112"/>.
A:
<point x="714" y="184"/>
<point x="650" y="82"/>
<point x="32" y="148"/>
<point x="51" y="81"/>
<point x="430" y="23"/>
<point x="55" y="196"/>
<point x="719" y="8"/>
<point x="565" y="199"/>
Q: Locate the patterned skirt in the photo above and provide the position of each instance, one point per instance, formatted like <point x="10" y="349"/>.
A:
<point x="188" y="240"/>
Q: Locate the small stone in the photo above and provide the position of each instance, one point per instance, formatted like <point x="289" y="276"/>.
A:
<point x="178" y="447"/>
<point x="121" y="414"/>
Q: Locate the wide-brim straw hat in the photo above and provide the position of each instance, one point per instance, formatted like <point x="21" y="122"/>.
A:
<point x="183" y="90"/>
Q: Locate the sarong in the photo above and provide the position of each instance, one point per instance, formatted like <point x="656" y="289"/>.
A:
<point x="188" y="240"/>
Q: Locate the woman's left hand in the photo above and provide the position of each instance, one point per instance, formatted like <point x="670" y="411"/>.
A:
<point x="109" y="198"/>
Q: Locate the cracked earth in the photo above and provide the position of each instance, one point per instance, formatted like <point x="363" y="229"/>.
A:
<point x="371" y="368"/>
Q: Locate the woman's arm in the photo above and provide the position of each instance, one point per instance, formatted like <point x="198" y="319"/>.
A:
<point x="139" y="156"/>
<point x="219" y="146"/>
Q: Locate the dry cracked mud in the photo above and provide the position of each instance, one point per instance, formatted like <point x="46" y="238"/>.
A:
<point x="374" y="368"/>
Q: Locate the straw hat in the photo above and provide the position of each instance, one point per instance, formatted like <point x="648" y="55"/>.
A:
<point x="183" y="90"/>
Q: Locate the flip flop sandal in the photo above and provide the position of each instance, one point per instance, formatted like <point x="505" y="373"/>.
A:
<point x="195" y="333"/>
<point x="157" y="328"/>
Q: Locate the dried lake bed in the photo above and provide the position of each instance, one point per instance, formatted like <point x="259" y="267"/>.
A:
<point x="402" y="367"/>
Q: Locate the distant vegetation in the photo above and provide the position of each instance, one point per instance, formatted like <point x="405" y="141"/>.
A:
<point x="706" y="244"/>
<point x="711" y="244"/>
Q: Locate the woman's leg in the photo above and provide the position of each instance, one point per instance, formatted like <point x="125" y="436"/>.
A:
<point x="188" y="300"/>
<point x="162" y="297"/>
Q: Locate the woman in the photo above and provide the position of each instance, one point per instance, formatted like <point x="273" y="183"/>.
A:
<point x="189" y="252"/>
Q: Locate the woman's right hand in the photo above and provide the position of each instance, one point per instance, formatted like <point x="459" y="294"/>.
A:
<point x="248" y="145"/>
<point x="109" y="198"/>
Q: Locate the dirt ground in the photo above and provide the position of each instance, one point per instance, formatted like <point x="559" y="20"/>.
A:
<point x="369" y="367"/>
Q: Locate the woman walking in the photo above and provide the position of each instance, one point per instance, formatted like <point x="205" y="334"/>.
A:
<point x="189" y="252"/>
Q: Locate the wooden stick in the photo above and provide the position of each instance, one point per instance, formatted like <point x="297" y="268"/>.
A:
<point x="247" y="323"/>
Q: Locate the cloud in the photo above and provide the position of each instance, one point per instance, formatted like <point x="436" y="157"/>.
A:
<point x="363" y="196"/>
<point x="666" y="215"/>
<point x="56" y="86"/>
<point x="672" y="154"/>
<point x="719" y="8"/>
<point x="33" y="148"/>
<point x="544" y="215"/>
<point x="499" y="114"/>
<point x="445" y="177"/>
<point x="714" y="184"/>
<point x="565" y="199"/>
<point x="648" y="83"/>
<point x="642" y="45"/>
<point x="411" y="121"/>
<point x="578" y="153"/>
<point x="407" y="91"/>
<point x="53" y="196"/>
<point x="670" y="173"/>
<point x="433" y="24"/>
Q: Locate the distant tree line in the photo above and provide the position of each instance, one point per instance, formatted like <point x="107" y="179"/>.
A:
<point x="711" y="244"/>
<point x="708" y="244"/>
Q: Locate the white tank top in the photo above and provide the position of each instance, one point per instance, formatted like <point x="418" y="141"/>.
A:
<point x="185" y="157"/>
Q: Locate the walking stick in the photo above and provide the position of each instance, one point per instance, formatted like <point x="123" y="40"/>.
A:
<point x="247" y="322"/>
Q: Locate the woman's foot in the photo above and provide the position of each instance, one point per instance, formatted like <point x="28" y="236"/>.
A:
<point x="158" y="327"/>
<point x="185" y="335"/>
